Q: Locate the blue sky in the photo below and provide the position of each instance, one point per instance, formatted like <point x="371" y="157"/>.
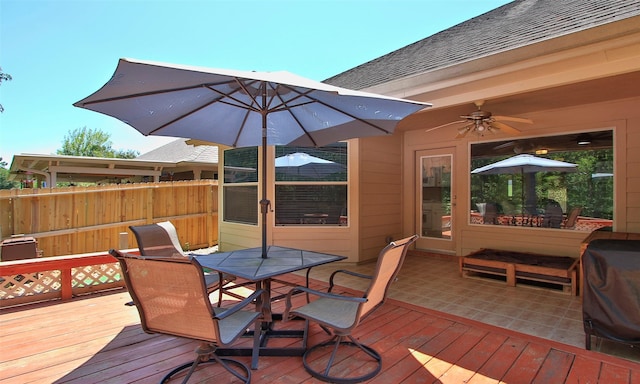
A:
<point x="60" y="51"/>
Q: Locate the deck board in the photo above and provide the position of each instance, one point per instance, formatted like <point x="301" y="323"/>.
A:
<point x="97" y="339"/>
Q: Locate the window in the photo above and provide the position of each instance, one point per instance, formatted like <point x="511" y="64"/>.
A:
<point x="311" y="185"/>
<point x="240" y="197"/>
<point x="436" y="196"/>
<point x="576" y="193"/>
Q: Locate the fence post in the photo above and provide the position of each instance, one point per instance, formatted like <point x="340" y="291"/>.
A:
<point x="66" y="285"/>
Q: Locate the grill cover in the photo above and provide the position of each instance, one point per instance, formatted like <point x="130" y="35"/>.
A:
<point x="611" y="299"/>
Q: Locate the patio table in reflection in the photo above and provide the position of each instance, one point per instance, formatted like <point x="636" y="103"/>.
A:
<point x="249" y="264"/>
<point x="314" y="218"/>
<point x="520" y="220"/>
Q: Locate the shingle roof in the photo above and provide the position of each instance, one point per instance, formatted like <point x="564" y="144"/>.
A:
<point x="514" y="25"/>
<point x="178" y="151"/>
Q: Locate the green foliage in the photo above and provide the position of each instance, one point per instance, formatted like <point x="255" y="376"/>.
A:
<point x="126" y="154"/>
<point x="3" y="77"/>
<point x="92" y="143"/>
<point x="5" y="183"/>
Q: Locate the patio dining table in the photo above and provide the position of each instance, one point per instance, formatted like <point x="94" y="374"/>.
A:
<point x="521" y="220"/>
<point x="249" y="264"/>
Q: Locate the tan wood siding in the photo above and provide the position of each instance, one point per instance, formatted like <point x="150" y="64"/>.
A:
<point x="380" y="193"/>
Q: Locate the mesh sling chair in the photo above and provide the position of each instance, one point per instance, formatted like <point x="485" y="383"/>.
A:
<point x="172" y="299"/>
<point x="553" y="215"/>
<point x="339" y="315"/>
<point x="572" y="218"/>
<point x="161" y="240"/>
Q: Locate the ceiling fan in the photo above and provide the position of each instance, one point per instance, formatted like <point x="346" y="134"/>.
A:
<point x="481" y="122"/>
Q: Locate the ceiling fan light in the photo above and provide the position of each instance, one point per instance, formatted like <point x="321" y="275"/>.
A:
<point x="584" y="139"/>
<point x="461" y="131"/>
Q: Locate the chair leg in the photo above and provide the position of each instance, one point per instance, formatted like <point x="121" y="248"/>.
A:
<point x="255" y="353"/>
<point x="206" y="355"/>
<point x="336" y="342"/>
<point x="220" y="290"/>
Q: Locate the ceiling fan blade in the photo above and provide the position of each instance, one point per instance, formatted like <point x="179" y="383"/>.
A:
<point x="505" y="128"/>
<point x="462" y="132"/>
<point x="445" y="125"/>
<point x="513" y="119"/>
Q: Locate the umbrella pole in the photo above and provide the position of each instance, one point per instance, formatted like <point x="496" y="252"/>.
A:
<point x="264" y="202"/>
<point x="522" y="192"/>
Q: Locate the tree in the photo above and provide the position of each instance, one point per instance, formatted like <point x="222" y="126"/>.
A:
<point x="92" y="143"/>
<point x="5" y="183"/>
<point x="126" y="154"/>
<point x="3" y="77"/>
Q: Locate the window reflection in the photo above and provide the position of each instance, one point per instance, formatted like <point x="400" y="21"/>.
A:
<point x="436" y="196"/>
<point x="566" y="182"/>
<point x="311" y="185"/>
<point x="240" y="196"/>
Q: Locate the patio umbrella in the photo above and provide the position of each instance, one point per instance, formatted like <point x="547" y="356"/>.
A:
<point x="243" y="108"/>
<point x="525" y="164"/>
<point x="303" y="164"/>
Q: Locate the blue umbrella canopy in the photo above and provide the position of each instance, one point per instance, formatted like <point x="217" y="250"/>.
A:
<point x="305" y="165"/>
<point x="240" y="108"/>
<point x="243" y="108"/>
<point x="525" y="164"/>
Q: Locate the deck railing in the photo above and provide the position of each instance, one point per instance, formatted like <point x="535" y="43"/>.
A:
<point x="58" y="277"/>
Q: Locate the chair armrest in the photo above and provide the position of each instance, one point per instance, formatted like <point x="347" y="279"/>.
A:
<point x="239" y="306"/>
<point x="356" y="274"/>
<point x="328" y="295"/>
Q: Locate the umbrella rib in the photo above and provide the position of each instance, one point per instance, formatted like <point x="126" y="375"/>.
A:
<point x="344" y="113"/>
<point x="285" y="107"/>
<point x="240" y="104"/>
<point x="244" y="121"/>
<point x="191" y="112"/>
<point x="150" y="93"/>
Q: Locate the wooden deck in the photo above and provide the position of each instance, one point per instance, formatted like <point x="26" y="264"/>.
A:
<point x="97" y="339"/>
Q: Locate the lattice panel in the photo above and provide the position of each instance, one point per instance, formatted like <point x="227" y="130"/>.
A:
<point x="95" y="275"/>
<point x="12" y="287"/>
<point x="30" y="284"/>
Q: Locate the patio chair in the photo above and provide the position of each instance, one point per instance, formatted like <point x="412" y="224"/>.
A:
<point x="172" y="299"/>
<point x="572" y="218"/>
<point x="490" y="214"/>
<point x="552" y="215"/>
<point x="161" y="240"/>
<point x="339" y="315"/>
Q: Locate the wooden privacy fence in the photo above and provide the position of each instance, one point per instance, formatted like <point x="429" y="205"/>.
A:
<point x="74" y="220"/>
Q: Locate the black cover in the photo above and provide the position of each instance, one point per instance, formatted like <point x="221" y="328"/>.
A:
<point x="611" y="299"/>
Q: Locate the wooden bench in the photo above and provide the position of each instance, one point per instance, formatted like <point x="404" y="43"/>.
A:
<point x="557" y="270"/>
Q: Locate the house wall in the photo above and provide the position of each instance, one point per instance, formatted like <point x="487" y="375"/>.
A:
<point x="380" y="198"/>
<point x="623" y="116"/>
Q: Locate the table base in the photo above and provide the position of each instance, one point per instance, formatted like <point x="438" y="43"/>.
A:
<point x="264" y="349"/>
